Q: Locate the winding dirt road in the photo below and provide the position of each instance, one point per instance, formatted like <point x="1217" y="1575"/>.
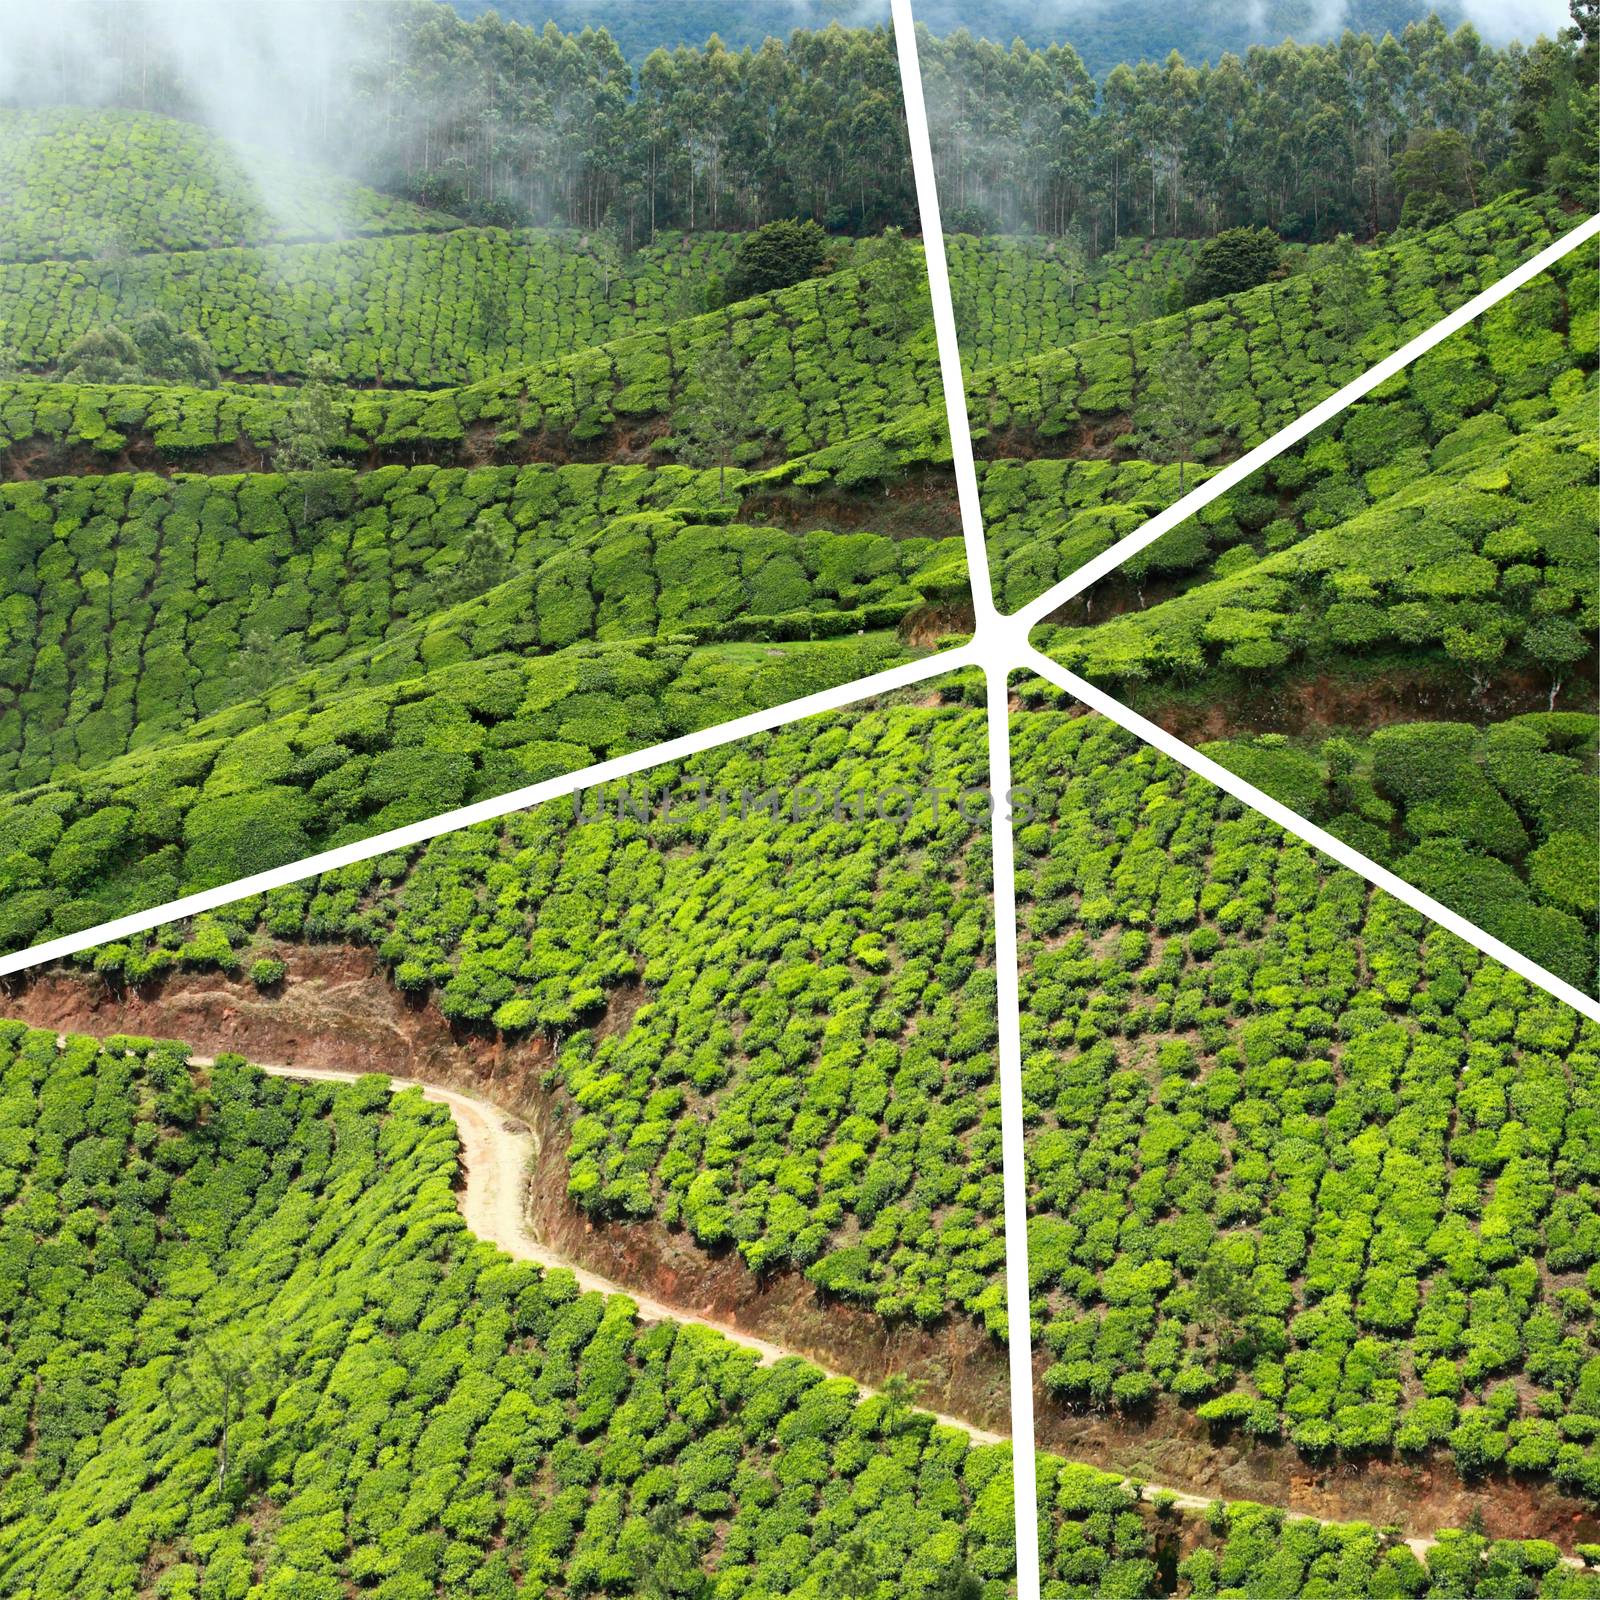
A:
<point x="497" y="1150"/>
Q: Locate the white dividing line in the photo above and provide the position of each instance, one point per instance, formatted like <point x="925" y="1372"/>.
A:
<point x="993" y="643"/>
<point x="933" y="666"/>
<point x="944" y="318"/>
<point x="1013" y="1139"/>
<point x="1318" y="838"/>
<point x="1237" y="471"/>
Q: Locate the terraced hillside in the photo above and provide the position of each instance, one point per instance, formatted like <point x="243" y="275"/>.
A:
<point x="825" y="362"/>
<point x="412" y="308"/>
<point x="252" y="1343"/>
<point x="1306" y="1174"/>
<point x="245" y="622"/>
<point x="1082" y="441"/>
<point x="1016" y="295"/>
<point x="1427" y="558"/>
<point x="118" y="184"/>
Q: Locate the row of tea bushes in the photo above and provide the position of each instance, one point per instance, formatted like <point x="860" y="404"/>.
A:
<point x="1017" y="295"/>
<point x="1482" y="566"/>
<point x="827" y="362"/>
<point x="138" y="605"/>
<point x="1100" y="1536"/>
<point x="1247" y="365"/>
<point x="238" y="794"/>
<point x="811" y="1080"/>
<point x="1510" y="370"/>
<point x="418" y="308"/>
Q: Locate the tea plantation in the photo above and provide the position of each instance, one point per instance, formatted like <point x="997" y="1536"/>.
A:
<point x="250" y="1346"/>
<point x="1248" y="365"/>
<point x="1100" y="1537"/>
<point x="423" y="308"/>
<point x="812" y="1080"/>
<point x="1496" y="822"/>
<point x="114" y="184"/>
<point x="247" y="621"/>
<point x="1433" y="547"/>
<point x="1297" y="1159"/>
<point x="825" y="360"/>
<point x="1016" y="295"/>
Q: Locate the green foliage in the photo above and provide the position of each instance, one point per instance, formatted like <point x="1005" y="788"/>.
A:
<point x="414" y="307"/>
<point x="1231" y="262"/>
<point x="777" y="255"/>
<point x="1267" y="354"/>
<point x="810" y="1077"/>
<point x="208" y="1269"/>
<point x="152" y="348"/>
<point x="1420" y="523"/>
<point x="1295" y="1156"/>
<point x="1208" y="117"/>
<point x="1488" y="822"/>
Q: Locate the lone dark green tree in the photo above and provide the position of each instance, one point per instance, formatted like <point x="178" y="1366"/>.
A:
<point x="1555" y="643"/>
<point x="217" y="1376"/>
<point x="316" y="424"/>
<point x="714" y="417"/>
<point x="1178" y="416"/>
<point x="149" y="348"/>
<point x="484" y="562"/>
<point x="1237" y="259"/>
<point x="776" y="255"/>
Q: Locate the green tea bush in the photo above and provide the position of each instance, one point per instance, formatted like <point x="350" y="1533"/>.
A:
<point x="250" y="1344"/>
<point x="1296" y="1158"/>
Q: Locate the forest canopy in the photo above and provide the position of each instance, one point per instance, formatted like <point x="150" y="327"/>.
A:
<point x="1310" y="140"/>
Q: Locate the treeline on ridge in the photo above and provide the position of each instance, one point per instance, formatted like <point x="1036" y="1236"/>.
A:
<point x="1311" y="140"/>
<point x="496" y="122"/>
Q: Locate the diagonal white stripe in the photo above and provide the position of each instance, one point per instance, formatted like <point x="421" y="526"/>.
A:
<point x="533" y="794"/>
<point x="944" y="316"/>
<point x="994" y="642"/>
<point x="1237" y="471"/>
<point x="1319" y="838"/>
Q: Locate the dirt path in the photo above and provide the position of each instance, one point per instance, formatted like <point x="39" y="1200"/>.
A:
<point x="496" y="1151"/>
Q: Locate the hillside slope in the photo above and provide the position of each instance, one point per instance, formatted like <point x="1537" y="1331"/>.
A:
<point x="80" y="184"/>
<point x="261" y="1346"/>
<point x="1427" y="559"/>
<point x="1255" y="361"/>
